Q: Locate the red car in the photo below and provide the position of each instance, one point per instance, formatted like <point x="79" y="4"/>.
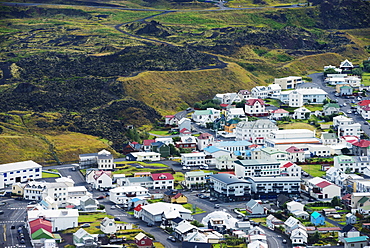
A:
<point x="100" y="197"/>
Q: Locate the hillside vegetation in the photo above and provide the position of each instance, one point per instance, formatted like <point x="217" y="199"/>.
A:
<point x="72" y="77"/>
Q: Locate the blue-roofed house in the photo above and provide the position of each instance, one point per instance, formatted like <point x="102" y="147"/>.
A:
<point x="356" y="242"/>
<point x="228" y="187"/>
<point x="231" y="146"/>
<point x="213" y="152"/>
<point x="317" y="219"/>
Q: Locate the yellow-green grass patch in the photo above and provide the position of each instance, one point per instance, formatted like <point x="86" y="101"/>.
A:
<point x="313" y="169"/>
<point x="49" y="175"/>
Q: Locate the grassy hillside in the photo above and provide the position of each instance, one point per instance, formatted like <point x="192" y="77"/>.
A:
<point x="169" y="92"/>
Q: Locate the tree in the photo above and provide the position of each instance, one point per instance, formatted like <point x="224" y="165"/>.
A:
<point x="336" y="201"/>
<point x="330" y="71"/>
<point x="345" y="151"/>
<point x="174" y="151"/>
<point x="366" y="64"/>
<point x="357" y="71"/>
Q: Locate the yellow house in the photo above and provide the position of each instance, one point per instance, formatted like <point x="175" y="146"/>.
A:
<point x="179" y="198"/>
<point x="18" y="189"/>
<point x="231" y="125"/>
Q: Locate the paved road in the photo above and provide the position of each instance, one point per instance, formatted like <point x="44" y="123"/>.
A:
<point x="318" y="78"/>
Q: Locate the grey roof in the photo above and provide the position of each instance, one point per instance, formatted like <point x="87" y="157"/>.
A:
<point x="257" y="162"/>
<point x="105" y="156"/>
<point x="329" y="135"/>
<point x="88" y="155"/>
<point x="228" y="178"/>
<point x="139" y="179"/>
<point x="307" y="86"/>
<point x="258" y="124"/>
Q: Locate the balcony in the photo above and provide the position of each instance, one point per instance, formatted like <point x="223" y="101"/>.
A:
<point x="231" y="189"/>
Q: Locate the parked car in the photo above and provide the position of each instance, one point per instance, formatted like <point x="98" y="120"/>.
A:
<point x="284" y="241"/>
<point x="100" y="197"/>
<point x="239" y="216"/>
<point x="217" y="205"/>
<point x="117" y="219"/>
<point x="85" y="225"/>
<point x="212" y="199"/>
<point x="366" y="123"/>
<point x="113" y="207"/>
<point x="1" y="212"/>
<point x="149" y="224"/>
<point x="12" y="227"/>
<point x="349" y="112"/>
<point x="171" y="238"/>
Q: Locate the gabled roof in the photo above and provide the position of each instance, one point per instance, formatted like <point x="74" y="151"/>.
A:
<point x="287" y="165"/>
<point x="148" y="142"/>
<point x="356" y="239"/>
<point x="323" y="184"/>
<point x="42" y="233"/>
<point x="363" y="103"/>
<point x="346" y="63"/>
<point x="294" y="149"/>
<point x="331" y="105"/>
<point x="185" y="227"/>
<point x="140" y="236"/>
<point x="279" y="111"/>
<point x="162" y="176"/>
<point x="316" y="215"/>
<point x="348" y="228"/>
<point x="138" y="208"/>
<point x="362" y="143"/>
<point x="178" y="195"/>
<point x="205" y="136"/>
<point x="329" y="136"/>
<point x="251" y="102"/>
<point x="363" y="200"/>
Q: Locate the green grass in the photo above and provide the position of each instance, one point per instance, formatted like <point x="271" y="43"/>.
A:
<point x="366" y="78"/>
<point x="162" y="133"/>
<point x="48" y="175"/>
<point x="93" y="217"/>
<point x="314" y="107"/>
<point x="313" y="169"/>
<point x="190" y="207"/>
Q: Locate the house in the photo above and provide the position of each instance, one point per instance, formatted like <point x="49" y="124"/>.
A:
<point x="356" y="242"/>
<point x="146" y="182"/>
<point x="220" y="221"/>
<point x="227" y="98"/>
<point x="269" y="187"/>
<point x="147" y="145"/>
<point x="235" y="113"/>
<point x="331" y="108"/>
<point x="173" y="196"/>
<point x="255" y="107"/>
<point x="260" y="92"/>
<point x="244" y="226"/>
<point x="163" y="181"/>
<point x="33" y="190"/>
<point x="254" y="131"/>
<point x="230" y="126"/>
<point x="157" y="212"/>
<point x="19" y="172"/>
<point x="329" y="139"/>
<point x="273" y="153"/>
<point x="170" y="120"/>
<point x="288" y="82"/>
<point x="203" y="237"/>
<point x="61" y="219"/>
<point x="346" y="90"/>
<point x="273" y="222"/>
<point x="104" y="160"/>
<point x="42" y="234"/>
<point x="299" y="237"/>
<point x="294" y="206"/>
<point x="278" y="114"/>
<point x="205" y="116"/>
<point x="102" y="180"/>
<point x="126" y="149"/>
<point x="143" y="241"/>
<point x="322" y="189"/>
<point x="257" y="168"/>
<point x="82" y="238"/>
<point x="186" y="141"/>
<point x="227" y="187"/>
<point x="255" y="207"/>
<point x="225" y="162"/>
<point x="301" y="113"/>
<point x="204" y="140"/>
<point x="108" y="226"/>
<point x="183" y="229"/>
<point x="346" y="65"/>
<point x="363" y="108"/>
<point x="317" y="219"/>
<point x="348" y="231"/>
<point x="143" y="156"/>
<point x="88" y="204"/>
<point x="351" y="219"/>
<point x="193" y="159"/>
<point x="361" y="148"/>
<point x="122" y="195"/>
<point x="18" y="189"/>
<point x="213" y="152"/>
<point x="257" y="234"/>
<point x="295" y="154"/>
<point x="244" y="94"/>
<point x="257" y="244"/>
<point x="346" y="126"/>
<point x="184" y="123"/>
<point x="195" y="179"/>
<point x="161" y="148"/>
<point x="289" y="137"/>
<point x="165" y="140"/>
<point x="36" y="224"/>
<point x="360" y="201"/>
<point x="292" y="223"/>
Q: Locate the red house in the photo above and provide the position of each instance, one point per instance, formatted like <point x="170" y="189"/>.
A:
<point x="143" y="241"/>
<point x="40" y="223"/>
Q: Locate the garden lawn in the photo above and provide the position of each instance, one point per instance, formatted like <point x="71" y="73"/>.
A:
<point x="92" y="217"/>
<point x="313" y="169"/>
<point x="48" y="175"/>
<point x="161" y="133"/>
<point x="366" y="78"/>
<point x="190" y="207"/>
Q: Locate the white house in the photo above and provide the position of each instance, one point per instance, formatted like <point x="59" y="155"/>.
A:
<point x="235" y="113"/>
<point x="33" y="190"/>
<point x="297" y="209"/>
<point x="298" y="97"/>
<point x="255" y="131"/>
<point x="228" y="98"/>
<point x="105" y="160"/>
<point x="295" y="154"/>
<point x="289" y="169"/>
<point x="163" y="181"/>
<point x="257" y="168"/>
<point x="299" y="236"/>
<point x="225" y="162"/>
<point x="205" y="116"/>
<point x="204" y="140"/>
<point x="108" y="226"/>
<point x="184" y="123"/>
<point x="155" y="212"/>
<point x="121" y="195"/>
<point x="278" y="114"/>
<point x="255" y="107"/>
<point x="143" y="156"/>
<point x="301" y="113"/>
<point x="102" y="180"/>
<point x="322" y="189"/>
<point x="19" y="172"/>
<point x="61" y="219"/>
<point x="288" y="82"/>
<point x="170" y="120"/>
<point x="227" y="187"/>
<point x="193" y="159"/>
<point x="292" y="223"/>
<point x="195" y="178"/>
<point x="255" y="207"/>
<point x="274" y="153"/>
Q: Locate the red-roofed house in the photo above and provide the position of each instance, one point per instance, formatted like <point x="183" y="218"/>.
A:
<point x="295" y="154"/>
<point x="147" y="145"/>
<point x="185" y="132"/>
<point x="361" y="148"/>
<point x="323" y="189"/>
<point x="35" y="225"/>
<point x="204" y="140"/>
<point x="278" y="114"/>
<point x="170" y="120"/>
<point x="363" y="108"/>
<point x="137" y="211"/>
<point x="163" y="181"/>
<point x="102" y="180"/>
<point x="255" y="107"/>
<point x="290" y="170"/>
<point x="173" y="196"/>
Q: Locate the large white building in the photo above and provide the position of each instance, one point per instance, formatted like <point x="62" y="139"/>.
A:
<point x="61" y="219"/>
<point x="255" y="131"/>
<point x="122" y="195"/>
<point x="346" y="126"/>
<point x="257" y="168"/>
<point x="193" y="159"/>
<point x="19" y="172"/>
<point x="298" y="97"/>
<point x="229" y="188"/>
<point x="262" y="186"/>
<point x="292" y="137"/>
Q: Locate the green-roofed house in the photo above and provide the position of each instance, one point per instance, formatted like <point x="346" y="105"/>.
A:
<point x="206" y="116"/>
<point x="356" y="242"/>
<point x="42" y="234"/>
<point x="329" y="139"/>
<point x="346" y="90"/>
<point x="344" y="163"/>
<point x="317" y="219"/>
<point x="331" y="108"/>
<point x="274" y="153"/>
